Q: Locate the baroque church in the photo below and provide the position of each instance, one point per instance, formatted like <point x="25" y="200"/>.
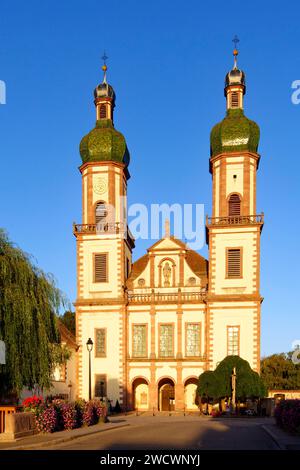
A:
<point x="156" y="324"/>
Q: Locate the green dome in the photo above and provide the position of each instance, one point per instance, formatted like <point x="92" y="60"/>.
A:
<point x="104" y="143"/>
<point x="235" y="133"/>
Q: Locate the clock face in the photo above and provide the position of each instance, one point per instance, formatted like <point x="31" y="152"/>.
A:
<point x="100" y="186"/>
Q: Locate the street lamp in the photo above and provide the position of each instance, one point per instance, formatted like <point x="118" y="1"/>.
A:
<point x="89" y="346"/>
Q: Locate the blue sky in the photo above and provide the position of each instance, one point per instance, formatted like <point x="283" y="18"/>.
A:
<point x="169" y="52"/>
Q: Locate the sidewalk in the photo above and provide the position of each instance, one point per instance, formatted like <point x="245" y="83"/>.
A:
<point x="283" y="439"/>
<point x="38" y="441"/>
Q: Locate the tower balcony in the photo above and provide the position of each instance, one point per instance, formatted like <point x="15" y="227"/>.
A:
<point x="117" y="228"/>
<point x="112" y="228"/>
<point x="235" y="220"/>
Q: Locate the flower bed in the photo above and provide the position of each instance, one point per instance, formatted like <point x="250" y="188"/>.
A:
<point x="287" y="415"/>
<point x="58" y="415"/>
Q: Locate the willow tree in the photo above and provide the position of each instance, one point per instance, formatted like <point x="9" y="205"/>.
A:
<point x="29" y="302"/>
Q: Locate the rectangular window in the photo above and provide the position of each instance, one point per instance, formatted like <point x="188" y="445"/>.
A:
<point x="100" y="267"/>
<point x="233" y="263"/>
<point x="100" y="385"/>
<point x="193" y="339"/>
<point x="139" y="341"/>
<point x="166" y="340"/>
<point x="233" y="340"/>
<point x="234" y="99"/>
<point x="100" y="342"/>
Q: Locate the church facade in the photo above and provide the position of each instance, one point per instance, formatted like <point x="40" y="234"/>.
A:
<point x="158" y="323"/>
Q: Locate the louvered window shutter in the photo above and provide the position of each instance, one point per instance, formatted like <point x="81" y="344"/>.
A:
<point x="234" y="205"/>
<point x="234" y="99"/>
<point x="100" y="267"/>
<point x="102" y="111"/>
<point x="234" y="268"/>
<point x="101" y="212"/>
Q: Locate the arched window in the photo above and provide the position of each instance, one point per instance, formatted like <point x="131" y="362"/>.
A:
<point x="100" y="212"/>
<point x="234" y="204"/>
<point x="102" y="111"/>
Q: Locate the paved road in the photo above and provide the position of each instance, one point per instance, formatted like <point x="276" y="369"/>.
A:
<point x="178" y="432"/>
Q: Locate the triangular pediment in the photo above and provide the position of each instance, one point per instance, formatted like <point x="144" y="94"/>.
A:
<point x="170" y="243"/>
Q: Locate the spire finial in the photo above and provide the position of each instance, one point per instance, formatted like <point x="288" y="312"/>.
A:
<point x="235" y="51"/>
<point x="104" y="66"/>
<point x="167" y="228"/>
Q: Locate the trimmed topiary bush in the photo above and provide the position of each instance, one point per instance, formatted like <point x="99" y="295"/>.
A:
<point x="89" y="415"/>
<point x="46" y="418"/>
<point x="100" y="410"/>
<point x="69" y="415"/>
<point x="117" y="408"/>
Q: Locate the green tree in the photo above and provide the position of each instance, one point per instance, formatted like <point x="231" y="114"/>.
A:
<point x="280" y="373"/>
<point x="248" y="383"/>
<point x="68" y="319"/>
<point x="208" y="386"/>
<point x="29" y="302"/>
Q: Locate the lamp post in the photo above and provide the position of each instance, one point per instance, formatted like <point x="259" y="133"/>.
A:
<point x="233" y="386"/>
<point x="89" y="345"/>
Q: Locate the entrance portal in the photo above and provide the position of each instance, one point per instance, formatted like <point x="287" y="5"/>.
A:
<point x="140" y="394"/>
<point x="190" y="394"/>
<point x="166" y="395"/>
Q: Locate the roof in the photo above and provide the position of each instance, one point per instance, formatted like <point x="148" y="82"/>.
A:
<point x="138" y="267"/>
<point x="66" y="335"/>
<point x="197" y="263"/>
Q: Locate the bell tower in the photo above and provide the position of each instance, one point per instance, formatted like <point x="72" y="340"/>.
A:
<point x="233" y="231"/>
<point x="104" y="249"/>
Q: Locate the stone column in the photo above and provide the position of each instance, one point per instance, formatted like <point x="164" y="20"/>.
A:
<point x="179" y="389"/>
<point x="152" y="386"/>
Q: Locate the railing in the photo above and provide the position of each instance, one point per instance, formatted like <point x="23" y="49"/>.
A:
<point x="159" y="358"/>
<point x="257" y="219"/>
<point x="4" y="411"/>
<point x="168" y="297"/>
<point x="113" y="228"/>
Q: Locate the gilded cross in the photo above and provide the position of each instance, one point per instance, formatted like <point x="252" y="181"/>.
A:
<point x="104" y="58"/>
<point x="235" y="41"/>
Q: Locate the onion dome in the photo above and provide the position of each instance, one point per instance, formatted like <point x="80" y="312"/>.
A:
<point x="104" y="142"/>
<point x="104" y="90"/>
<point x="235" y="132"/>
<point x="235" y="77"/>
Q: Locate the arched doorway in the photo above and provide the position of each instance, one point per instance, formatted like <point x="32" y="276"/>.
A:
<point x="190" y="394"/>
<point x="140" y="394"/>
<point x="166" y="395"/>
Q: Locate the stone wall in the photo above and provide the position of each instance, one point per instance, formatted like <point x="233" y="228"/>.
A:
<point x="18" y="425"/>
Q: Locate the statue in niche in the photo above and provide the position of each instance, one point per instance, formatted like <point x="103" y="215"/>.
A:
<point x="167" y="274"/>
